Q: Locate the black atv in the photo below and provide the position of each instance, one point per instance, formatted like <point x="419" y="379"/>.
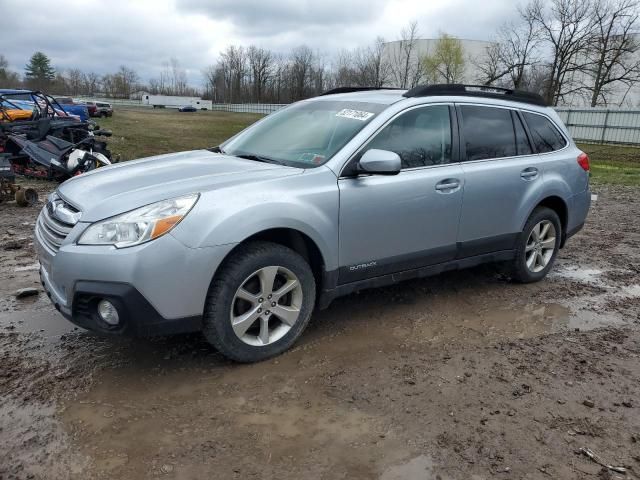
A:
<point x="52" y="144"/>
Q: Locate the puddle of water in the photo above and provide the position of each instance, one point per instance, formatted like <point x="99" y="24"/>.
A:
<point x="585" y="319"/>
<point x="629" y="291"/>
<point x="49" y="323"/>
<point x="490" y="324"/>
<point x="437" y="319"/>
<point x="31" y="433"/>
<point x="418" y="468"/>
<point x="578" y="274"/>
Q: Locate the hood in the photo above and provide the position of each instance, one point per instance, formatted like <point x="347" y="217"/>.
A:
<point x="118" y="188"/>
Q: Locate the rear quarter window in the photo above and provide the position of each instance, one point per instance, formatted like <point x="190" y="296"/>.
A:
<point x="544" y="134"/>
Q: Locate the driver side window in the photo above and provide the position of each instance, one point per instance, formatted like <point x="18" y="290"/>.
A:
<point x="421" y="137"/>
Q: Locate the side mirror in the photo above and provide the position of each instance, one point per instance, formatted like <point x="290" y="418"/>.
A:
<point x="380" y="162"/>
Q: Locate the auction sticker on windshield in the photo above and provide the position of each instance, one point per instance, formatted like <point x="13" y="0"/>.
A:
<point x="355" y="114"/>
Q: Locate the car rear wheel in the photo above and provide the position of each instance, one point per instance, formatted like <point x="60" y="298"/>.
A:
<point x="537" y="247"/>
<point x="259" y="303"/>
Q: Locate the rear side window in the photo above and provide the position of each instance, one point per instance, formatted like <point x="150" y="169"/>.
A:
<point x="488" y="132"/>
<point x="544" y="134"/>
<point x="421" y="137"/>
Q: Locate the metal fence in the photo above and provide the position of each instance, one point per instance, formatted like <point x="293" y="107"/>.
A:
<point x="260" y="108"/>
<point x="263" y="108"/>
<point x="597" y="125"/>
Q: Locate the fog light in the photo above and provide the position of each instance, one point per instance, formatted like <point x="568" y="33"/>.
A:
<point x="108" y="312"/>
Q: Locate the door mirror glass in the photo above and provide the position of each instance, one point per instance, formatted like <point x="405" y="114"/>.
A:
<point x="381" y="162"/>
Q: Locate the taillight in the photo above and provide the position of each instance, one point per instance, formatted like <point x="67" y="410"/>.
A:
<point x="583" y="161"/>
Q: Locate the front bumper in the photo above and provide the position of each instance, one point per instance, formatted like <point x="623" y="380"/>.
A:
<point x="159" y="287"/>
<point x="137" y="316"/>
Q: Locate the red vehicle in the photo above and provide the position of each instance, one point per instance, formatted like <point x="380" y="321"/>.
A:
<point x="93" y="110"/>
<point x="99" y="109"/>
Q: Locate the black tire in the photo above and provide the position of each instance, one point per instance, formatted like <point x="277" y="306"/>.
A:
<point x="235" y="270"/>
<point x="26" y="197"/>
<point x="519" y="270"/>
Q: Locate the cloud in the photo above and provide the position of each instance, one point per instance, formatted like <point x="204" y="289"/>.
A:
<point x="266" y="18"/>
<point x="101" y="35"/>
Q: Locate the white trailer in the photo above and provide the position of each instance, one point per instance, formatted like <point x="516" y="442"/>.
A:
<point x="173" y="101"/>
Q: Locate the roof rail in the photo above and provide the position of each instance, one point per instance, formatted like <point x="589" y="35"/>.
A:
<point x="354" y="89"/>
<point x="484" y="91"/>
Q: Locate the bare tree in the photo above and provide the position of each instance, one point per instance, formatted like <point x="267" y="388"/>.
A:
<point x="344" y="71"/>
<point x="261" y="66"/>
<point x="279" y="79"/>
<point x="370" y="65"/>
<point x="379" y="67"/>
<point x="233" y="66"/>
<point x="120" y="84"/>
<point x="301" y="66"/>
<point x="210" y="74"/>
<point x="514" y="51"/>
<point x="8" y="78"/>
<point x="612" y="48"/>
<point x="74" y="81"/>
<point x="567" y="27"/>
<point x="90" y="82"/>
<point x="406" y="66"/>
<point x="319" y="74"/>
<point x="446" y="62"/>
<point x="178" y="78"/>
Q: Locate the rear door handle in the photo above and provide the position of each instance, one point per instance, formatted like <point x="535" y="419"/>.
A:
<point x="529" y="173"/>
<point x="447" y="185"/>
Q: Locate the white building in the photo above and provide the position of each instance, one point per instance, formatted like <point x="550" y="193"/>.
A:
<point x="474" y="53"/>
<point x="174" y="101"/>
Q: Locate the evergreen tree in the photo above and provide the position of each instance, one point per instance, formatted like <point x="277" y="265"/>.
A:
<point x="39" y="72"/>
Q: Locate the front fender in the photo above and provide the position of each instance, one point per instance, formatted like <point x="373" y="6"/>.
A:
<point x="308" y="203"/>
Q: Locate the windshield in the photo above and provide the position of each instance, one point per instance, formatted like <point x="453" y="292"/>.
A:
<point x="304" y="135"/>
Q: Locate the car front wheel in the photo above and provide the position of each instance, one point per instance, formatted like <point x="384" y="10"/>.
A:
<point x="537" y="247"/>
<point x="259" y="303"/>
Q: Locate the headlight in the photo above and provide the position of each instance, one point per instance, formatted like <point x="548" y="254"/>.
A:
<point x="140" y="225"/>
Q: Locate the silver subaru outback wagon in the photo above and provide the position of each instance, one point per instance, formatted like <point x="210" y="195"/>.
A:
<point x="354" y="189"/>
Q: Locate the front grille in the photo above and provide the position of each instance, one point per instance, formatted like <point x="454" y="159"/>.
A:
<point x="51" y="230"/>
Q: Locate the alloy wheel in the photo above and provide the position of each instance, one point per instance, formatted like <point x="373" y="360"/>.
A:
<point x="540" y="246"/>
<point x="266" y="305"/>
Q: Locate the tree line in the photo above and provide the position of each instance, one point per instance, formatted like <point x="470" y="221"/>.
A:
<point x="39" y="74"/>
<point x="561" y="49"/>
<point x="565" y="50"/>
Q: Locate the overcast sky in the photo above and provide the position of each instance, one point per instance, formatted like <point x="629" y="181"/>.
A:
<point x="100" y="35"/>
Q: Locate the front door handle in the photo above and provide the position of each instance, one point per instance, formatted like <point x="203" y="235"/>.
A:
<point x="446" y="186"/>
<point x="529" y="173"/>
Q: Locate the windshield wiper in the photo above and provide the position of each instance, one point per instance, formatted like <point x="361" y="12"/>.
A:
<point x="258" y="158"/>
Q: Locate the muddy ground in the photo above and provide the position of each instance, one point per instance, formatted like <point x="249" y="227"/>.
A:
<point x="461" y="376"/>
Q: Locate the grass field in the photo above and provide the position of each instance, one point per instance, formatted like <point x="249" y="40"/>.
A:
<point x="141" y="132"/>
<point x="614" y="164"/>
